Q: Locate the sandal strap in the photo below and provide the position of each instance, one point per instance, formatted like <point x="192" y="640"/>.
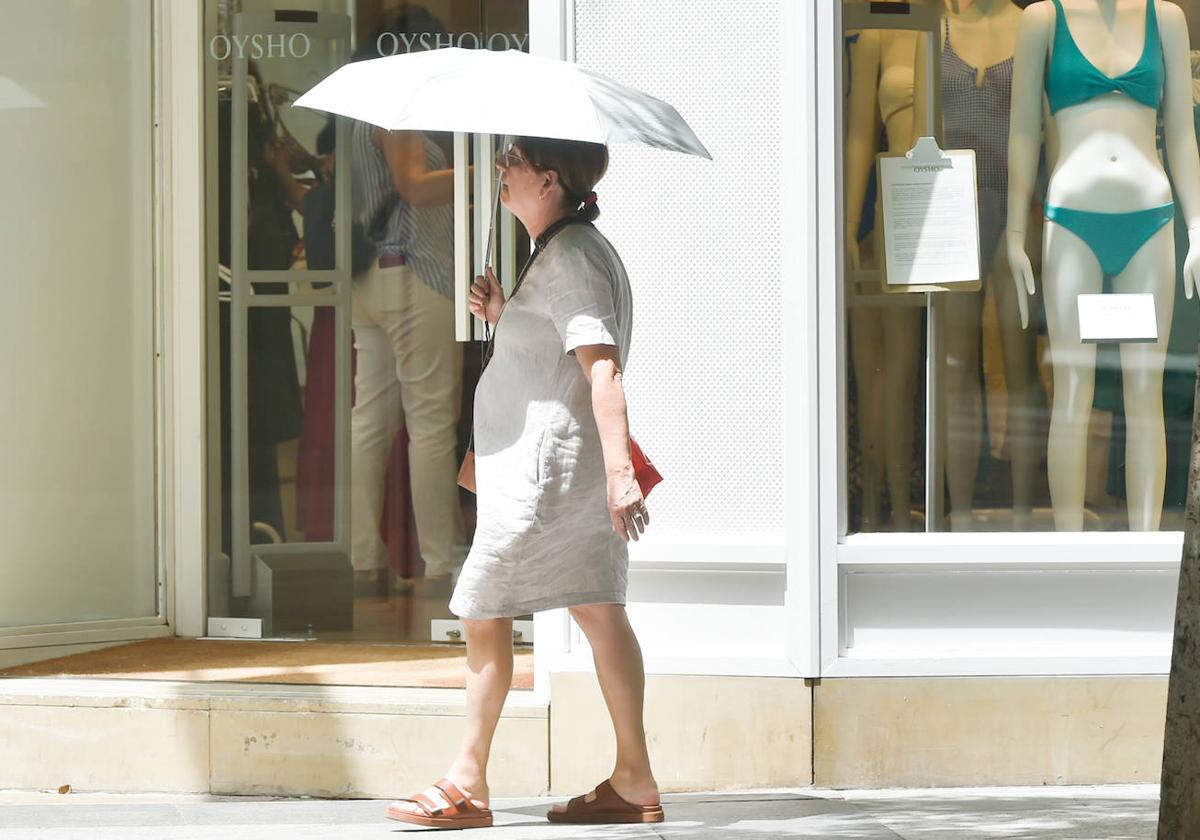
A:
<point x="458" y="801"/>
<point x="609" y="794"/>
<point x="427" y="804"/>
<point x="577" y="802"/>
<point x="603" y="796"/>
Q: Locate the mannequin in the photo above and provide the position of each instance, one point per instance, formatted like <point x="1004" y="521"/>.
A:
<point x="1105" y="66"/>
<point x="978" y="44"/>
<point x="885" y="344"/>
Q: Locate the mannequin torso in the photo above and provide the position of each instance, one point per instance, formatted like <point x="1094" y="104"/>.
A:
<point x="976" y="63"/>
<point x="985" y="34"/>
<point x="1107" y="160"/>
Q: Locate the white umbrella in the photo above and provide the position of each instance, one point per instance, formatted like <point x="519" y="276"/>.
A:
<point x="506" y="93"/>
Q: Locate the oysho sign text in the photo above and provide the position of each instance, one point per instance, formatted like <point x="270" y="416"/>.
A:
<point x="393" y="43"/>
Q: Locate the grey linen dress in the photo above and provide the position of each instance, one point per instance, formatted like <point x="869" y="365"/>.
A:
<point x="543" y="538"/>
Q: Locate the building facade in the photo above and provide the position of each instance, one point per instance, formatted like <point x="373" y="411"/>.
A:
<point x="799" y="626"/>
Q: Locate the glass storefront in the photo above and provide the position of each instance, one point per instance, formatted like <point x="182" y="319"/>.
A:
<point x="962" y="411"/>
<point x="336" y="510"/>
<point x="78" y="426"/>
<point x="333" y="510"/>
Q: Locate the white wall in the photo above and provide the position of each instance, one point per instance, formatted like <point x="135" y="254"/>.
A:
<point x="704" y="243"/>
<point x="77" y="496"/>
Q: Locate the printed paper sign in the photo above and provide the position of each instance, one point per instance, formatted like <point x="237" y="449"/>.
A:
<point x="930" y="220"/>
<point x="1115" y="318"/>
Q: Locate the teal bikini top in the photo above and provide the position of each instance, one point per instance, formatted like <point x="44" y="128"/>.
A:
<point x="1072" y="80"/>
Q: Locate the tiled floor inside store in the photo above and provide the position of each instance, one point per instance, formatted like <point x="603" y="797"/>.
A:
<point x="296" y="663"/>
<point x="389" y="645"/>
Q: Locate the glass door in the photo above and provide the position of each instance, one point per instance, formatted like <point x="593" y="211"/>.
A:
<point x="342" y="365"/>
<point x="79" y="558"/>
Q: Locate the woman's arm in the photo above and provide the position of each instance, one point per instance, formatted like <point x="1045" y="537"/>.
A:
<point x="404" y="152"/>
<point x="1025" y="142"/>
<point x="1179" y="130"/>
<point x="601" y="365"/>
<point x="293" y="191"/>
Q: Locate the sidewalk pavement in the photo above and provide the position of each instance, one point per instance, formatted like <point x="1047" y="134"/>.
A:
<point x="1044" y="813"/>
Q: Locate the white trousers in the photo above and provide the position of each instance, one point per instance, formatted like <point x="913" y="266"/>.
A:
<point x="408" y="372"/>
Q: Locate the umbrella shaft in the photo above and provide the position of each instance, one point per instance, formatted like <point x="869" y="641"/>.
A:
<point x="491" y="239"/>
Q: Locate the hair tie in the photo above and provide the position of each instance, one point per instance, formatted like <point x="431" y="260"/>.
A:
<point x="589" y="200"/>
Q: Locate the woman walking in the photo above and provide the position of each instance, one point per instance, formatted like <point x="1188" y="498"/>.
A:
<point x="558" y="499"/>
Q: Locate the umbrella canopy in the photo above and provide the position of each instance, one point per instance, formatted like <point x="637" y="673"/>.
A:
<point x="491" y="92"/>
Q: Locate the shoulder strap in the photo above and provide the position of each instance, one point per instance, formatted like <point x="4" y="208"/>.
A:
<point x="489" y="335"/>
<point x="1061" y="32"/>
<point x="1151" y="28"/>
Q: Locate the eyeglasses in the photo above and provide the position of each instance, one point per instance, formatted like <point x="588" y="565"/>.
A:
<point x="511" y="158"/>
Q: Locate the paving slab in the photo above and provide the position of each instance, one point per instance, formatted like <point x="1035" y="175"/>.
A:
<point x="1060" y="813"/>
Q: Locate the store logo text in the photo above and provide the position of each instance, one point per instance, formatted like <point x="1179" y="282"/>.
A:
<point x="259" y="46"/>
<point x="391" y="43"/>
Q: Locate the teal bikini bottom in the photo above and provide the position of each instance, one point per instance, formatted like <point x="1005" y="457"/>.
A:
<point x="1113" y="237"/>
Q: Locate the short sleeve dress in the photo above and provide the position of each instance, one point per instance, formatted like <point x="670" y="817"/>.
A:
<point x="543" y="537"/>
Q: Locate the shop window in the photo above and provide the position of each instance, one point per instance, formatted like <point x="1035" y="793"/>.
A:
<point x="982" y="407"/>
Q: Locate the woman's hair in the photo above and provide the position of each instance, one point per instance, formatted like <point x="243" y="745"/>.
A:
<point x="579" y="165"/>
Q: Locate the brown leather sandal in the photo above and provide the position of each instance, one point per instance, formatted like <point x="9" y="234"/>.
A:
<point x="604" y="805"/>
<point x="455" y="810"/>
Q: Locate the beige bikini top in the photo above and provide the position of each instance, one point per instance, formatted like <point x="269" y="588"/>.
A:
<point x="896" y="85"/>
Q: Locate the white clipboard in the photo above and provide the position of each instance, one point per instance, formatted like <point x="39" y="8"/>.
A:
<point x="930" y="211"/>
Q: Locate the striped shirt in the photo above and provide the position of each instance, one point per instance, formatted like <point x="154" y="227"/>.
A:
<point x="424" y="236"/>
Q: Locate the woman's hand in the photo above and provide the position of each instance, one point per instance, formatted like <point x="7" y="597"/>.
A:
<point x="1191" y="265"/>
<point x="1022" y="273"/>
<point x="486" y="298"/>
<point x="626" y="505"/>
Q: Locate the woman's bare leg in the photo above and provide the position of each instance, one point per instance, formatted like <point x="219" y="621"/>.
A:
<point x="489" y="676"/>
<point x="618" y="660"/>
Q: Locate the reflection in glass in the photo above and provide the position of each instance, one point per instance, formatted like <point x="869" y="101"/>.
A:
<point x="410" y="422"/>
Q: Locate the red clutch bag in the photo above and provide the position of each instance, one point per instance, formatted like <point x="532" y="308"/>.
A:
<point x="643" y="470"/>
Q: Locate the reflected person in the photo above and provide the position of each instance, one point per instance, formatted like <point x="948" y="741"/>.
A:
<point x="409" y="365"/>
